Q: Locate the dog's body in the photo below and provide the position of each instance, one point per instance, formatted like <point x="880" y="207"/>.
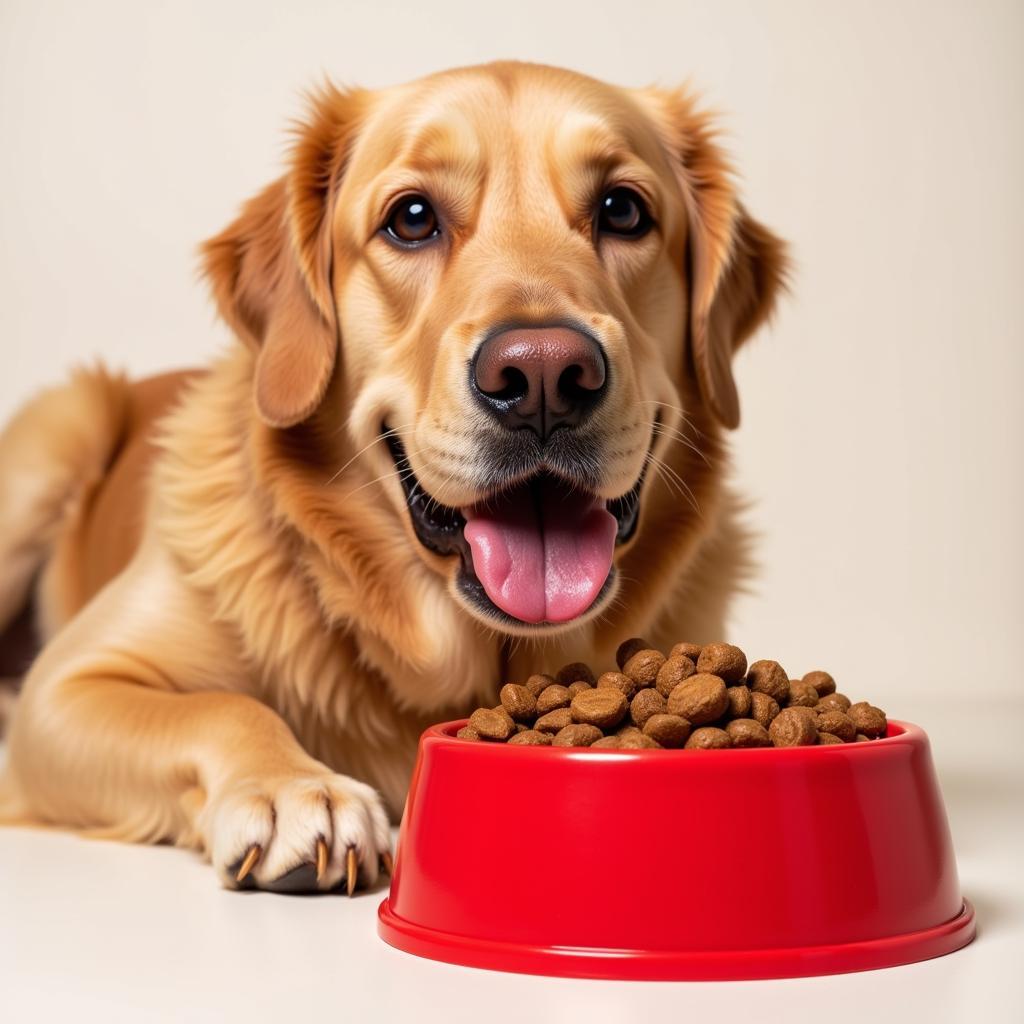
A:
<point x="245" y="604"/>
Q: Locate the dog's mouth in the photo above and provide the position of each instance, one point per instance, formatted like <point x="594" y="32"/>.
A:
<point x="537" y="552"/>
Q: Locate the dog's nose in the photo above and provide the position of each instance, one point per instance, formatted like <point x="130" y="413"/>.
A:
<point x="539" y="377"/>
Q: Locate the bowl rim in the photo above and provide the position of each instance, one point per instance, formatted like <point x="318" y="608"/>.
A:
<point x="899" y="733"/>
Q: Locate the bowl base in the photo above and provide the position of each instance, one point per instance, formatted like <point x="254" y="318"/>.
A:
<point x="704" y="965"/>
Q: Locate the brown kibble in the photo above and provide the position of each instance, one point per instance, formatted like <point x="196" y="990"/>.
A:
<point x="646" y="703"/>
<point x="746" y="732"/>
<point x="667" y="730"/>
<point x="837" y="723"/>
<point x="791" y="728"/>
<point x="555" y="696"/>
<point x="573" y="673"/>
<point x="801" y="694"/>
<point x="539" y="682"/>
<point x="644" y="666"/>
<point x="491" y="724"/>
<point x="739" y="701"/>
<point x="672" y="673"/>
<point x="576" y="735"/>
<point x="835" y="702"/>
<point x="618" y="681"/>
<point x="868" y="719"/>
<point x="769" y="677"/>
<point x="603" y="706"/>
<point x="822" y="682"/>
<point x="811" y="714"/>
<point x="636" y="740"/>
<point x="763" y="708"/>
<point x="500" y="709"/>
<point x="628" y="648"/>
<point x="708" y="738"/>
<point x="530" y="738"/>
<point x="723" y="660"/>
<point x="518" y="702"/>
<point x="686" y="650"/>
<point x="699" y="699"/>
<point x="554" y="721"/>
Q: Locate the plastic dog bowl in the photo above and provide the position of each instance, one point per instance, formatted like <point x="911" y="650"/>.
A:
<point x="664" y="864"/>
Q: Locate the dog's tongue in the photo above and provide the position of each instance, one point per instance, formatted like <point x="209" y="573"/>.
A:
<point x="542" y="552"/>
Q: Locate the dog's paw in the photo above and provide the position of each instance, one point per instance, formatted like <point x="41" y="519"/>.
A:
<point x="311" y="831"/>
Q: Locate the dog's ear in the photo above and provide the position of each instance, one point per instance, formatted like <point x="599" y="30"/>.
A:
<point x="736" y="266"/>
<point x="270" y="271"/>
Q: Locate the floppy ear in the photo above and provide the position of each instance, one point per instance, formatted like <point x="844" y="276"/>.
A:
<point x="737" y="267"/>
<point x="270" y="271"/>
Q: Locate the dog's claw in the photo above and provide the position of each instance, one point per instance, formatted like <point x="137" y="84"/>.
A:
<point x="351" y="870"/>
<point x="321" y="859"/>
<point x="387" y="863"/>
<point x="249" y="863"/>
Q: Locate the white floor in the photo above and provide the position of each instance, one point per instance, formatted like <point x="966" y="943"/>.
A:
<point x="98" y="931"/>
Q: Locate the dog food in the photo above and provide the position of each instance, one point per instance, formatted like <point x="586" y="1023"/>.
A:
<point x="698" y="698"/>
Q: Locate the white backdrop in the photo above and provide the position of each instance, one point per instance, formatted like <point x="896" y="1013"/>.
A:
<point x="881" y="447"/>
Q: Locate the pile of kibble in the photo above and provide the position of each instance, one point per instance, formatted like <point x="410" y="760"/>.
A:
<point x="699" y="698"/>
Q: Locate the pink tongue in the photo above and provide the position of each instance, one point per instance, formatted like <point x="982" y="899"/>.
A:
<point x="541" y="557"/>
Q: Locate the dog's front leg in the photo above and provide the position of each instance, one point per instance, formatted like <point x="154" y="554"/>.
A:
<point x="120" y="732"/>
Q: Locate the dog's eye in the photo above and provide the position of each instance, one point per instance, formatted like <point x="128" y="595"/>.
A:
<point x="623" y="212"/>
<point x="411" y="221"/>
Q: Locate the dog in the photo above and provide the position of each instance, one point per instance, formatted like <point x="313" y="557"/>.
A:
<point x="473" y="426"/>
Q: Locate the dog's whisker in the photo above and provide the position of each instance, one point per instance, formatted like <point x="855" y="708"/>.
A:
<point x="387" y="433"/>
<point x="668" y="430"/>
<point x="408" y="472"/>
<point x="685" y="486"/>
<point x="665" y="431"/>
<point x="435" y="502"/>
<point x="659" y="468"/>
<point x="401" y="474"/>
<point x="662" y="466"/>
<point x="516" y="644"/>
<point x="675" y="408"/>
<point x="681" y="433"/>
<point x="665" y="405"/>
<point x="667" y="426"/>
<point x="397" y="473"/>
<point x="671" y="480"/>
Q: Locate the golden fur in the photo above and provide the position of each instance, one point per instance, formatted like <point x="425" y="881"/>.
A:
<point x="239" y="621"/>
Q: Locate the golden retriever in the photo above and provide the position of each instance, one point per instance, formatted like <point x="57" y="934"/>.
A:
<point x="473" y="426"/>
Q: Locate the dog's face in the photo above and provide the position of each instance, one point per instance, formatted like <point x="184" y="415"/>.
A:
<point x="515" y="269"/>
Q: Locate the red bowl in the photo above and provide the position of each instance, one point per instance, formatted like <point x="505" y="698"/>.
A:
<point x="663" y="864"/>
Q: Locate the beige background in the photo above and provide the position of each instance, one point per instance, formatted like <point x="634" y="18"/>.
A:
<point x="881" y="444"/>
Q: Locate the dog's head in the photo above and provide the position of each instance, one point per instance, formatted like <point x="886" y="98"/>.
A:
<point x="511" y="287"/>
